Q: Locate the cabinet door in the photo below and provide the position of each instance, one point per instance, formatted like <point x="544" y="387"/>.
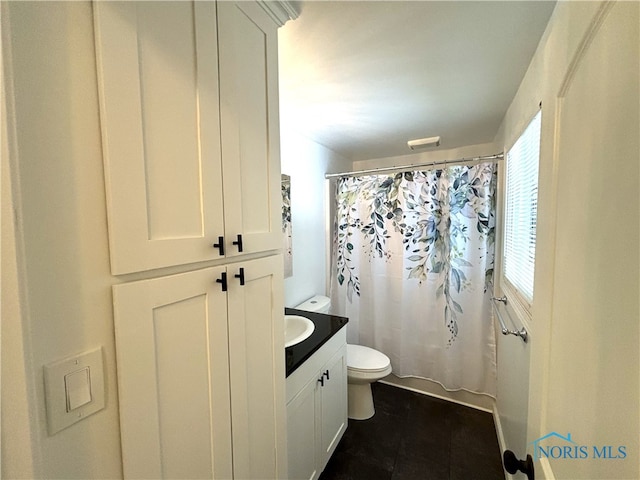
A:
<point x="333" y="419"/>
<point x="249" y="121"/>
<point x="256" y="353"/>
<point x="158" y="79"/>
<point x="173" y="376"/>
<point x="303" y="438"/>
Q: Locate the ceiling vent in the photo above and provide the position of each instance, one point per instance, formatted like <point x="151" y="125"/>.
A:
<point x="424" y="143"/>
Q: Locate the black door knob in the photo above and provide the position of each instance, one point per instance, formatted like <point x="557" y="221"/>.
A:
<point x="512" y="464"/>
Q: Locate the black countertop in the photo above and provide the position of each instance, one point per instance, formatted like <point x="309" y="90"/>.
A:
<point x="326" y="327"/>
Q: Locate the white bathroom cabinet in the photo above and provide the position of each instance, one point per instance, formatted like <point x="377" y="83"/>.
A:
<point x="189" y="115"/>
<point x="196" y="373"/>
<point x="317" y="408"/>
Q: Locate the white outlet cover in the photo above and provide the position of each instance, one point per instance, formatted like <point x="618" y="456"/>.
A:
<point x="59" y="397"/>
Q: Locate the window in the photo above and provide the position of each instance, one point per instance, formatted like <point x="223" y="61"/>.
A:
<point x="521" y="209"/>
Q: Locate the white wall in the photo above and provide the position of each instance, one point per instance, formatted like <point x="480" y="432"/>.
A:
<point x="63" y="223"/>
<point x="306" y="162"/>
<point x="17" y="389"/>
<point x="576" y="374"/>
<point x="429" y="155"/>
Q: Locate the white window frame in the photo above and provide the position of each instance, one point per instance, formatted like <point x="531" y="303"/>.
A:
<point x="518" y="301"/>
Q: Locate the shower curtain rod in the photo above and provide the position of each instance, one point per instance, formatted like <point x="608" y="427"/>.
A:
<point x="496" y="157"/>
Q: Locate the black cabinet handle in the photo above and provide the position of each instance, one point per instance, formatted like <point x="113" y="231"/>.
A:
<point x="220" y="245"/>
<point x="223" y="281"/>
<point x="326" y="373"/>
<point x="238" y="242"/>
<point x="321" y="380"/>
<point x="240" y="275"/>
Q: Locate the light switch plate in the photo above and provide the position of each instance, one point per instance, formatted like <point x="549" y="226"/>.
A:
<point x="78" y="388"/>
<point x="74" y="389"/>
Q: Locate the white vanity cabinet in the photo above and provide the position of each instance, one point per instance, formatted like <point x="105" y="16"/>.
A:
<point x="317" y="408"/>
<point x="189" y="115"/>
<point x="196" y="368"/>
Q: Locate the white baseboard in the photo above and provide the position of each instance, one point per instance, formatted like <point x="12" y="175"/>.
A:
<point x="501" y="442"/>
<point x="434" y="389"/>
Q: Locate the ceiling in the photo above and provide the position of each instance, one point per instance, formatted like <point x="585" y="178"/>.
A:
<point x="364" y="77"/>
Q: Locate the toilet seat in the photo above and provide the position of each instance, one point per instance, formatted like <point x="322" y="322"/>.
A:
<point x="361" y="359"/>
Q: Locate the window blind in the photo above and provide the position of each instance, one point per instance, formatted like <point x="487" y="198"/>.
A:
<point x="522" y="209"/>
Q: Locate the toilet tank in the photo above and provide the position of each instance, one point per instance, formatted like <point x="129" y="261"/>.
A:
<point x="318" y="304"/>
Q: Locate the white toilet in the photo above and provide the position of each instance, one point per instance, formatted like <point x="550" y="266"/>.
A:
<point x="364" y="366"/>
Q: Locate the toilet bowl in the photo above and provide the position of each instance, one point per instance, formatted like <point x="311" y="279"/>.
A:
<point x="365" y="365"/>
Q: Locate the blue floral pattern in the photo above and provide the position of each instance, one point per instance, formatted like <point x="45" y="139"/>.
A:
<point x="436" y="212"/>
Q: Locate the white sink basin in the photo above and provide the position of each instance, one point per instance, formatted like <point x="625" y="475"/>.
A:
<point x="297" y="329"/>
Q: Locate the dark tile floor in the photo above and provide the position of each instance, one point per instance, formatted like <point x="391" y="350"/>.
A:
<point x="417" y="437"/>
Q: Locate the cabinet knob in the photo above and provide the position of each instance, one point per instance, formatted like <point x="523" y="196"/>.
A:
<point x="238" y="242"/>
<point x="240" y="275"/>
<point x="220" y="245"/>
<point x="223" y="281"/>
<point x="326" y="374"/>
<point x="321" y="380"/>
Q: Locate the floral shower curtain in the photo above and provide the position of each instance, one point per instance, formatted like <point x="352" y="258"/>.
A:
<point x="412" y="265"/>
